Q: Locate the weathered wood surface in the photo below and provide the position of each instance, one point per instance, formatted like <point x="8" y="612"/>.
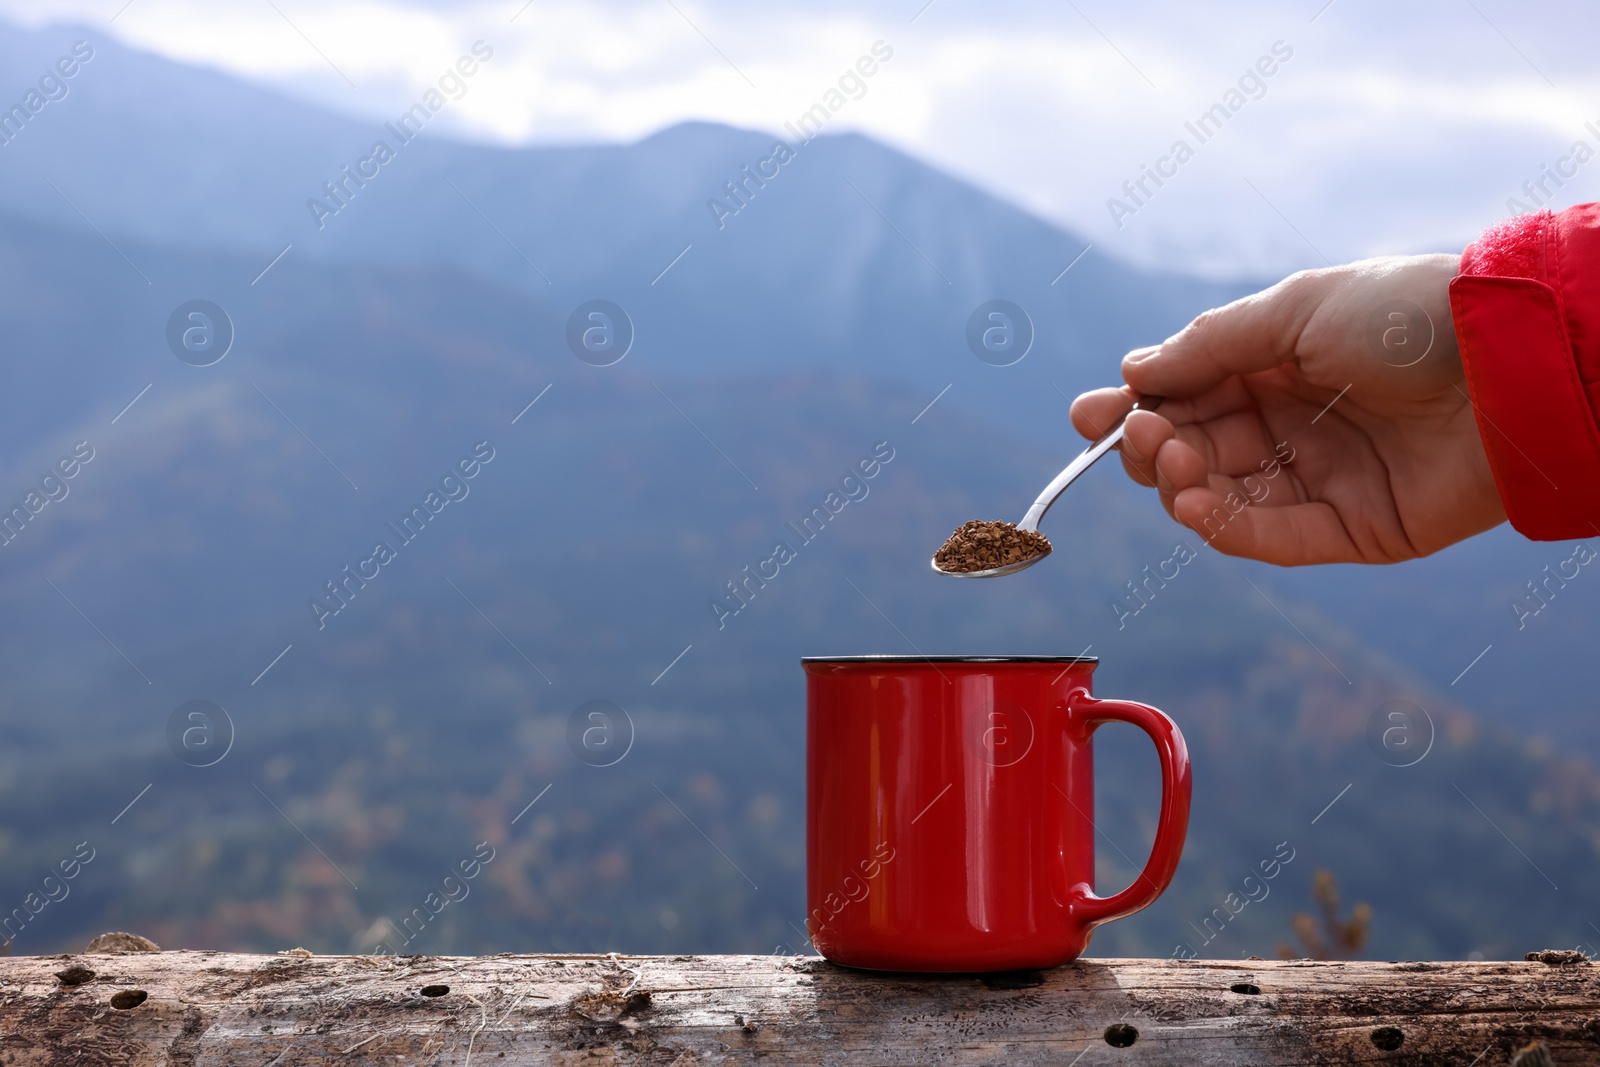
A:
<point x="202" y="1008"/>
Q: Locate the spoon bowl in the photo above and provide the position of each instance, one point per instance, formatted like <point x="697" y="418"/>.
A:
<point x="1052" y="492"/>
<point x="993" y="572"/>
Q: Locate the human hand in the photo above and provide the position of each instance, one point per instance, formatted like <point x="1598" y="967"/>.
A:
<point x="1299" y="427"/>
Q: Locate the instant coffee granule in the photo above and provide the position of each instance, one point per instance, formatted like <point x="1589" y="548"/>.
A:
<point x="982" y="546"/>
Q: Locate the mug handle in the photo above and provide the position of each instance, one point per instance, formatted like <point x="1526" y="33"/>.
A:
<point x="1084" y="715"/>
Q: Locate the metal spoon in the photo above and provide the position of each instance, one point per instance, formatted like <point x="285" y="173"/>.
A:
<point x="1057" y="486"/>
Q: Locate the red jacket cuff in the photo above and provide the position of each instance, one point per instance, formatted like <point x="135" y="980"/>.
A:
<point x="1527" y="318"/>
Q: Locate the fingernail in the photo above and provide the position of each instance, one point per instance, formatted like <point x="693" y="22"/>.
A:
<point x="1130" y="452"/>
<point x="1139" y="355"/>
<point x="1161" y="482"/>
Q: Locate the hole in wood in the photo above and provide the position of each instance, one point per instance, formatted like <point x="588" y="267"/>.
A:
<point x="1245" y="987"/>
<point x="1388" y="1038"/>
<point x="1121" y="1035"/>
<point x="434" y="990"/>
<point x="128" y="998"/>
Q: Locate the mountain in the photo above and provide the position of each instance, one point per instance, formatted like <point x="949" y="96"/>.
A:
<point x="426" y="714"/>
<point x="375" y="747"/>
<point x="852" y="257"/>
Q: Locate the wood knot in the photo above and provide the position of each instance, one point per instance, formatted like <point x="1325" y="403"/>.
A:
<point x="77" y="974"/>
<point x="1245" y="987"/>
<point x="437" y="990"/>
<point x="1121" y="1035"/>
<point x="1388" y="1038"/>
<point x="1557" y="957"/>
<point x="124" y="999"/>
<point x="609" y="1007"/>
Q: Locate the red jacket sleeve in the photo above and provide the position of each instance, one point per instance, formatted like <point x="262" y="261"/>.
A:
<point x="1527" y="316"/>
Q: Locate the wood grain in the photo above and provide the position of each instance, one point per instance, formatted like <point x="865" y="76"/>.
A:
<point x="204" y="1008"/>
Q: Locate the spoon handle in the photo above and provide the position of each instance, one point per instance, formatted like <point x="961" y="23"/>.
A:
<point x="1085" y="460"/>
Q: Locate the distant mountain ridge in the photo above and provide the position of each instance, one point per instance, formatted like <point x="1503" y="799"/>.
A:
<point x="565" y="221"/>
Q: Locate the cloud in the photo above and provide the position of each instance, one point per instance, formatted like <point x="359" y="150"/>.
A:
<point x="1393" y="128"/>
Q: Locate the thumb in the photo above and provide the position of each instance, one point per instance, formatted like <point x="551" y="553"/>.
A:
<point x="1254" y="333"/>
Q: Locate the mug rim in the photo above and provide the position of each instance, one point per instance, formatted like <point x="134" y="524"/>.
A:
<point x="897" y="659"/>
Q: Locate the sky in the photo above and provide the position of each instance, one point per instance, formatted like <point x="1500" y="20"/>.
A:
<point x="1380" y="128"/>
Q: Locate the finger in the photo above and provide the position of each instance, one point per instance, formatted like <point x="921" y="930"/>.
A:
<point x="1096" y="411"/>
<point x="1139" y="472"/>
<point x="1225" y="398"/>
<point x="1142" y="437"/>
<point x="1291" y="536"/>
<point x="1178" y="467"/>
<point x="1232" y="396"/>
<point x="1251" y="334"/>
<point x="1234" y="445"/>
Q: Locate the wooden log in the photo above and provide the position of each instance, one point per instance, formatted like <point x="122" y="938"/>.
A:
<point x="203" y="1008"/>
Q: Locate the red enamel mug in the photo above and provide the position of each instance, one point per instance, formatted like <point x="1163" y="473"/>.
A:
<point x="950" y="810"/>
